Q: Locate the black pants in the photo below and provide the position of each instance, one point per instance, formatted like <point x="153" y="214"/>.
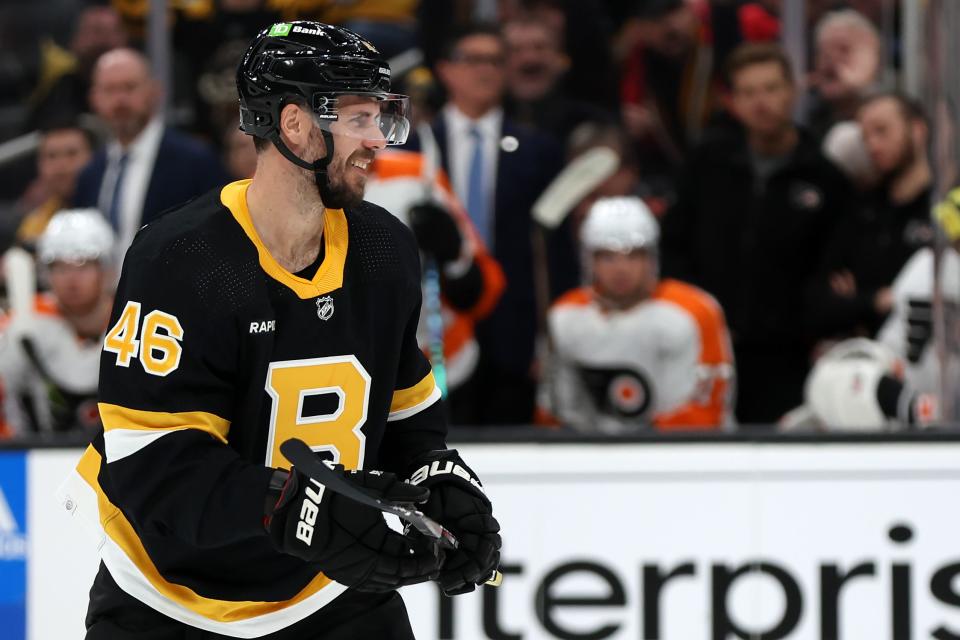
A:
<point x="115" y="615"/>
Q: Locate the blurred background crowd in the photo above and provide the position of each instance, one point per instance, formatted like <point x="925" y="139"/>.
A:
<point x="642" y="215"/>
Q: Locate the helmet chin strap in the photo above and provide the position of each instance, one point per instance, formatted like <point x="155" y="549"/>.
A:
<point x="318" y="166"/>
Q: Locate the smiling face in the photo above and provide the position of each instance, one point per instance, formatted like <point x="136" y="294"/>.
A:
<point x="356" y="139"/>
<point x="534" y="62"/>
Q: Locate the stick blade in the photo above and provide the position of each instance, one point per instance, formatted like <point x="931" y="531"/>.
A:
<point x="579" y="178"/>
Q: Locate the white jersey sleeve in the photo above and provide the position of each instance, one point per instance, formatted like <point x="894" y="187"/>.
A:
<point x="916" y="283"/>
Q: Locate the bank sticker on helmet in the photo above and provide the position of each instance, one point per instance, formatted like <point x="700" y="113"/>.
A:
<point x="280" y="29"/>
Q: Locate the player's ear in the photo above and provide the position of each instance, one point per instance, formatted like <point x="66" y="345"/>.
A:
<point x="294" y="126"/>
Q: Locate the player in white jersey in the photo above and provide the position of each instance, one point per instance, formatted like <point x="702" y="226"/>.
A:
<point x="50" y="357"/>
<point x="632" y="351"/>
<point x="909" y="328"/>
<point x="892" y="383"/>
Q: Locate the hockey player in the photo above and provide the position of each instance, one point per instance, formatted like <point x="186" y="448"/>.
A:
<point x="49" y="358"/>
<point x="470" y="279"/>
<point x="894" y="382"/>
<point x="909" y="328"/>
<point x="279" y="307"/>
<point x="633" y="352"/>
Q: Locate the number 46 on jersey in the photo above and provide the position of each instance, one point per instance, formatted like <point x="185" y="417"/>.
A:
<point x="158" y="346"/>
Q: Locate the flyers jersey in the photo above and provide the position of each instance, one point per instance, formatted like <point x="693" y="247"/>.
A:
<point x="397" y="181"/>
<point x="48" y="373"/>
<point x="665" y="362"/>
<point x="215" y="356"/>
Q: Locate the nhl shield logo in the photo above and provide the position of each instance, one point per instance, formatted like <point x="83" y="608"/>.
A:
<point x="325" y="307"/>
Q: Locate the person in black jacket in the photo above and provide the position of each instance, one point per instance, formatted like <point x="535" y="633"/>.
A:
<point x="755" y="209"/>
<point x="871" y="246"/>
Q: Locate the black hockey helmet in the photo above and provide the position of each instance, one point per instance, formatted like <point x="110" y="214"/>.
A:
<point x="314" y="64"/>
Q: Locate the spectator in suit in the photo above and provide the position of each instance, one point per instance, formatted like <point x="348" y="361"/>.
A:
<point x="754" y="213"/>
<point x="146" y="167"/>
<point x="498" y="170"/>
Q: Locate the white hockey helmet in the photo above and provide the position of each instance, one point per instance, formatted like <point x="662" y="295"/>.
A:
<point x="619" y="224"/>
<point x="76" y="235"/>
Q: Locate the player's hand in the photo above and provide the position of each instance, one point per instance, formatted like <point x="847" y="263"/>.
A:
<point x="457" y="501"/>
<point x="436" y="231"/>
<point x="350" y="542"/>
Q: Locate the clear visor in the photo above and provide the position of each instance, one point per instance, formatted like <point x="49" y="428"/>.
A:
<point x="369" y="117"/>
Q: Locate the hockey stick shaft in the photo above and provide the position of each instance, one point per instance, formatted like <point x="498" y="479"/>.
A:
<point x="301" y="456"/>
<point x="432" y="305"/>
<point x="21" y="281"/>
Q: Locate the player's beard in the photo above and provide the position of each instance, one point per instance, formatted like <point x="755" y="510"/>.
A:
<point x="333" y="184"/>
<point x="340" y="192"/>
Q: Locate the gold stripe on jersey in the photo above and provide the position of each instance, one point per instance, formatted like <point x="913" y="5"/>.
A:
<point x="116" y="417"/>
<point x="116" y="526"/>
<point x="330" y="274"/>
<point x="412" y="400"/>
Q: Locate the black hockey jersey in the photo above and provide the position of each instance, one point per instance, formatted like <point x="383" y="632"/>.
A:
<point x="215" y="356"/>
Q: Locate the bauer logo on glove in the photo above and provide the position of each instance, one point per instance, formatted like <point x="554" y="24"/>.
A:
<point x="448" y="466"/>
<point x="458" y="502"/>
<point x="308" y="511"/>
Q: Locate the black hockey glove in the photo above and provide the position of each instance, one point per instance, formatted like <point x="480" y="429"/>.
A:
<point x="436" y="231"/>
<point x="350" y="542"/>
<point x="457" y="501"/>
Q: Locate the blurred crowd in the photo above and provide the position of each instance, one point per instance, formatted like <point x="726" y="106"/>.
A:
<point x="638" y="215"/>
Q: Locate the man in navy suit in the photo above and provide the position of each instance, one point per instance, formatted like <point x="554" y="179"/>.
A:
<point x="498" y="170"/>
<point x="145" y="168"/>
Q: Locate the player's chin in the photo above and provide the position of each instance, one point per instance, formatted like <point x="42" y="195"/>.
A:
<point x="356" y="188"/>
<point x="350" y="196"/>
